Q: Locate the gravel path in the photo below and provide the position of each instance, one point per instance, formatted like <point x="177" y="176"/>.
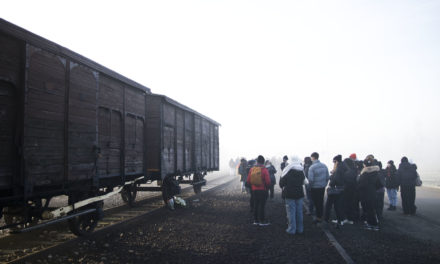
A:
<point x="216" y="227"/>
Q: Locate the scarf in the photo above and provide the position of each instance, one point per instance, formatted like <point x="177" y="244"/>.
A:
<point x="295" y="164"/>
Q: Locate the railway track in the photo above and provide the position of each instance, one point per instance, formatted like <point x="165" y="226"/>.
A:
<point x="16" y="247"/>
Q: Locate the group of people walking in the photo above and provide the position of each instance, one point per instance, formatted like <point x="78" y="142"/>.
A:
<point x="355" y="189"/>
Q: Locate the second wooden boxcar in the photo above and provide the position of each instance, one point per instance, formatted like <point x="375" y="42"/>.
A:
<point x="180" y="141"/>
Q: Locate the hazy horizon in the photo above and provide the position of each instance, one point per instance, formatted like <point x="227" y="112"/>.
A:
<point x="282" y="77"/>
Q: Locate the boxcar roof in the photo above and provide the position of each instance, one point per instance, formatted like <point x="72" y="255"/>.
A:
<point x="48" y="45"/>
<point x="184" y="107"/>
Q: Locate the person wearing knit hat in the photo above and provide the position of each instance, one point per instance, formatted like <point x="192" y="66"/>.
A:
<point x="353" y="156"/>
<point x="368" y="182"/>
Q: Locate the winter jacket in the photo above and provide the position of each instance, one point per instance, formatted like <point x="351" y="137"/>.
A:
<point x="318" y="175"/>
<point x="337" y="178"/>
<point x="242" y="170"/>
<point x="283" y="165"/>
<point x="306" y="170"/>
<point x="292" y="183"/>
<point x="265" y="177"/>
<point x="350" y="173"/>
<point x="391" y="180"/>
<point x="368" y="183"/>
<point x="271" y="169"/>
<point x="406" y="174"/>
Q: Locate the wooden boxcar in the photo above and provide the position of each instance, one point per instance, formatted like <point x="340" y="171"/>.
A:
<point x="70" y="126"/>
<point x="180" y="142"/>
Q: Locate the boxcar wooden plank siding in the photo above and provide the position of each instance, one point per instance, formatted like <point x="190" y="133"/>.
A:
<point x="80" y="126"/>
<point x="44" y="105"/>
<point x="180" y="154"/>
<point x="8" y="107"/>
<point x="10" y="58"/>
<point x="82" y="123"/>
<point x="189" y="126"/>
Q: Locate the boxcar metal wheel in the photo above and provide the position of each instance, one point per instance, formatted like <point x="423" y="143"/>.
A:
<point x="128" y="194"/>
<point x="85" y="224"/>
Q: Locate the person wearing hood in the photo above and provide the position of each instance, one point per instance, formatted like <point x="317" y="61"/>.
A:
<point x="407" y="176"/>
<point x="318" y="179"/>
<point x="292" y="181"/>
<point x="369" y="182"/>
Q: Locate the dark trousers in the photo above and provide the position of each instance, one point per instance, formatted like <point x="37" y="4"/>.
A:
<point x="379" y="204"/>
<point x="368" y="206"/>
<point x="408" y="194"/>
<point x="309" y="200"/>
<point x="251" y="200"/>
<point x="260" y="198"/>
<point x="318" y="200"/>
<point x="350" y="204"/>
<point x="334" y="200"/>
<point x="271" y="191"/>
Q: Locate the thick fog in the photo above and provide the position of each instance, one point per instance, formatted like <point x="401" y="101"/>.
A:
<point x="282" y="77"/>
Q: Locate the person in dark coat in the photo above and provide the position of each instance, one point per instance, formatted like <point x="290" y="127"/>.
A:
<point x="380" y="192"/>
<point x="292" y="180"/>
<point x="335" y="192"/>
<point x="242" y="170"/>
<point x="407" y="176"/>
<point x="284" y="163"/>
<point x="307" y="163"/>
<point x="368" y="183"/>
<point x="392" y="184"/>
<point x="271" y="169"/>
<point x="350" y="200"/>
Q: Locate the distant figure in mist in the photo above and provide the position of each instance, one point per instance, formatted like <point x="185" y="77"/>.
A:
<point x="242" y="170"/>
<point x="392" y="184"/>
<point x="231" y="167"/>
<point x="284" y="163"/>
<point x="407" y="175"/>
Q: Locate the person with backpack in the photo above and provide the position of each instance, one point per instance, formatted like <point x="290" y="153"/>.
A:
<point x="259" y="180"/>
<point x="350" y="201"/>
<point x="318" y="179"/>
<point x="271" y="169"/>
<point x="292" y="181"/>
<point x="392" y="185"/>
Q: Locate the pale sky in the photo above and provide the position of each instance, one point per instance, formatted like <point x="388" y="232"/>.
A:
<point x="282" y="77"/>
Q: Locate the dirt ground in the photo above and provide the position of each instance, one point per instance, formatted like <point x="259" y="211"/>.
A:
<point x="216" y="227"/>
